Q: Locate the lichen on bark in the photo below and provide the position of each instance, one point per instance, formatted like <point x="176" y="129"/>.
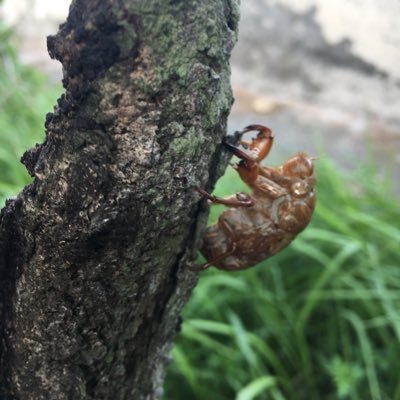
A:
<point x="94" y="253"/>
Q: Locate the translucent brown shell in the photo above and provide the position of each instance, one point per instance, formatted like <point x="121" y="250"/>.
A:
<point x="260" y="224"/>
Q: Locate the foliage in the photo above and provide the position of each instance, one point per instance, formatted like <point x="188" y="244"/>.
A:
<point x="320" y="320"/>
<point x="26" y="97"/>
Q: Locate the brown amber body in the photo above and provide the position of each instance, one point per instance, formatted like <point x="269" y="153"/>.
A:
<point x="279" y="207"/>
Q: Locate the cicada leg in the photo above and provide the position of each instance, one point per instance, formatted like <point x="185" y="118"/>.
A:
<point x="261" y="145"/>
<point x="238" y="200"/>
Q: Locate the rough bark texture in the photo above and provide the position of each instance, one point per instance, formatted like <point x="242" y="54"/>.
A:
<point x="94" y="253"/>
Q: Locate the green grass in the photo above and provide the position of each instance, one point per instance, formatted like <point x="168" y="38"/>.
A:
<point x="320" y="320"/>
<point x="26" y="97"/>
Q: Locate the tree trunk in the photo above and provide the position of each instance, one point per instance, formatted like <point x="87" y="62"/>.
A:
<point x="94" y="253"/>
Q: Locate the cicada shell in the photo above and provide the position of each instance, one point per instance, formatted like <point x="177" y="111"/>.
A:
<point x="260" y="224"/>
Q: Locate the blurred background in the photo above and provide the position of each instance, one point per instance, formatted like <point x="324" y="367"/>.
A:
<point x="321" y="320"/>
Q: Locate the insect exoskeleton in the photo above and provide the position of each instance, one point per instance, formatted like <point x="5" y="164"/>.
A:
<point x="260" y="224"/>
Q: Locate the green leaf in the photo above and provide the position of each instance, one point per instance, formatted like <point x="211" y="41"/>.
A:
<point x="256" y="387"/>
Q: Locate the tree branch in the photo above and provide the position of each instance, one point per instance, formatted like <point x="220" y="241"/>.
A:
<point x="93" y="253"/>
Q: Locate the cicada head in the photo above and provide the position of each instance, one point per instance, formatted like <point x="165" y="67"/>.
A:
<point x="299" y="166"/>
<point x="300" y="171"/>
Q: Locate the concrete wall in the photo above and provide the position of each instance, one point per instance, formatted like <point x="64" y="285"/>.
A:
<point x="344" y="54"/>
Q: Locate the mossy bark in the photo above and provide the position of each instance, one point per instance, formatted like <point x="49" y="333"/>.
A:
<point x="94" y="253"/>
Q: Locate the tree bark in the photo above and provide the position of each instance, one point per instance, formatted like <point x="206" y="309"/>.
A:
<point x="94" y="253"/>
